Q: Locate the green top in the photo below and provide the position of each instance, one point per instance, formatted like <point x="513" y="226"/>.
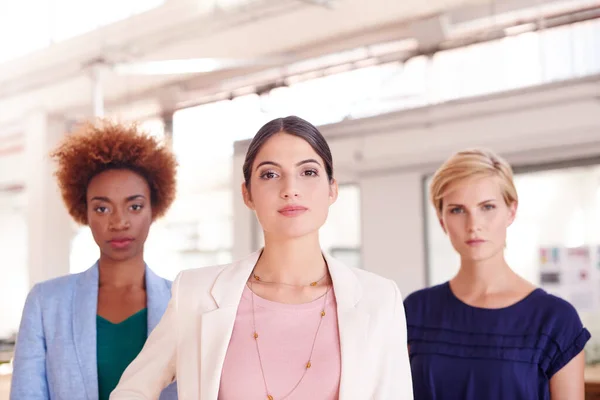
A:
<point x="117" y="346"/>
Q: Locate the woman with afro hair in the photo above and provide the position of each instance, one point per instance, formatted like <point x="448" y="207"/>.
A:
<point x="79" y="332"/>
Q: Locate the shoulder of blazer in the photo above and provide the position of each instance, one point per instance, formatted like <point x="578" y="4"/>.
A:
<point x="193" y="286"/>
<point x="56" y="288"/>
<point x="372" y="281"/>
<point x="199" y="277"/>
<point x="377" y="291"/>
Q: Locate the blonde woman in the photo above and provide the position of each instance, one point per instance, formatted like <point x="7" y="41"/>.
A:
<point x="488" y="333"/>
<point x="285" y="322"/>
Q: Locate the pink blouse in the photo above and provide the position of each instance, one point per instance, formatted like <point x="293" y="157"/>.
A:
<point x="286" y="333"/>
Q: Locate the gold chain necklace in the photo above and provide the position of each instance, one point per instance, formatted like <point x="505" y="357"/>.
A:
<point x="308" y="363"/>
<point x="314" y="283"/>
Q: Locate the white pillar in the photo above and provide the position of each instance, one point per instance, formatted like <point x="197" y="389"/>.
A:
<point x="392" y="228"/>
<point x="245" y="232"/>
<point x="13" y="244"/>
<point x="50" y="229"/>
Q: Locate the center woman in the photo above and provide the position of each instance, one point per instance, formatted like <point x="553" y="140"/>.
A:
<point x="288" y="321"/>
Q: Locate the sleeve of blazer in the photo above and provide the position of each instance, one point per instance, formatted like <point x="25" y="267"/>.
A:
<point x="154" y="368"/>
<point x="396" y="377"/>
<point x="29" y="379"/>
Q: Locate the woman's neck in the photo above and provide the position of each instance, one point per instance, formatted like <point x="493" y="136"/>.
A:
<point x="484" y="277"/>
<point x="296" y="261"/>
<point x="122" y="274"/>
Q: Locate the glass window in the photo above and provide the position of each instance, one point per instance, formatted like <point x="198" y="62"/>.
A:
<point x="586" y="57"/>
<point x="522" y="65"/>
<point x="446" y="79"/>
<point x="557" y="56"/>
<point x="341" y="234"/>
<point x="203" y="138"/>
<point x="513" y="62"/>
<point x="481" y="69"/>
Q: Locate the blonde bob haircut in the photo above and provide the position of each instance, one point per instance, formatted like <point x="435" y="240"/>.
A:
<point x="472" y="163"/>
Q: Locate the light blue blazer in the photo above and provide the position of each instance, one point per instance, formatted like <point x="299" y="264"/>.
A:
<point x="55" y="355"/>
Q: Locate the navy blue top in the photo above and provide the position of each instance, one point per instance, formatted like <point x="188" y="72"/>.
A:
<point x="463" y="352"/>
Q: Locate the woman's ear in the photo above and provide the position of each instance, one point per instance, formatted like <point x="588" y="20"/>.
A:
<point x="442" y="225"/>
<point x="333" y="191"/>
<point x="512" y="212"/>
<point x="247" y="197"/>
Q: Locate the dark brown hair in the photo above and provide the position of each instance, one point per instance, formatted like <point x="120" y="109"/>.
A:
<point x="97" y="147"/>
<point x="291" y="125"/>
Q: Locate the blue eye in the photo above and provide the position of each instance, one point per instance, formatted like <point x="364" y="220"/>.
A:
<point x="488" y="207"/>
<point x="456" y="210"/>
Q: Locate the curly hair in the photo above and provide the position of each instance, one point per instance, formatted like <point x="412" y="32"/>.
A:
<point x="97" y="147"/>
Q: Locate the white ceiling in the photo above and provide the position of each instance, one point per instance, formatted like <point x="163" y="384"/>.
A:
<point x="58" y="79"/>
<point x="55" y="79"/>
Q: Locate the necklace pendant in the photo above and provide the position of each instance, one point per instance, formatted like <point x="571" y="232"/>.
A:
<point x="323" y="313"/>
<point x="255" y="335"/>
<point x="269" y="397"/>
<point x="313" y="284"/>
<point x="256" y="277"/>
<point x="308" y="365"/>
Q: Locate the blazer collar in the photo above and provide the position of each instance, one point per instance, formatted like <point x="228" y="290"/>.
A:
<point x="85" y="306"/>
<point x="217" y="325"/>
<point x="346" y="286"/>
<point x="158" y="294"/>
<point x="229" y="285"/>
<point x="353" y="325"/>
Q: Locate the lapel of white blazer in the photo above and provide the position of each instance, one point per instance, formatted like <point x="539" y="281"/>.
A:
<point x="217" y="325"/>
<point x="352" y="324"/>
<point x="85" y="305"/>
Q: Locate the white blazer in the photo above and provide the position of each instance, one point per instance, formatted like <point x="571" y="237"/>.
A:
<point x="190" y="342"/>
